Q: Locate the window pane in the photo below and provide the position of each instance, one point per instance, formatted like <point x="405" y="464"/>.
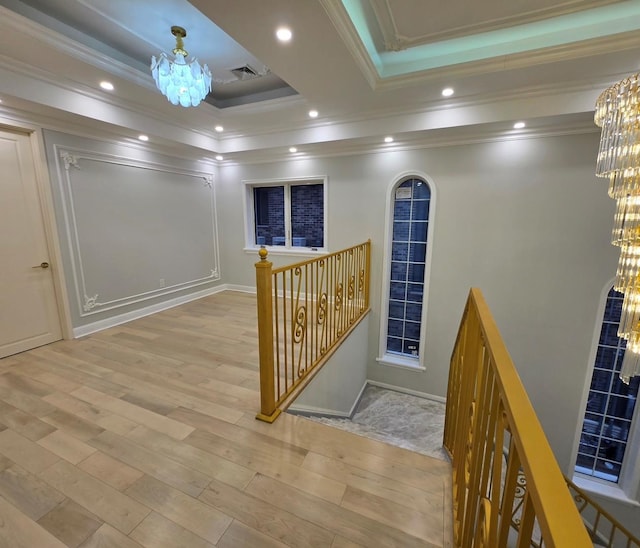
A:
<point x="307" y="215"/>
<point x="269" y="215"/>
<point x="420" y="210"/>
<point x="399" y="271"/>
<point x="399" y="251"/>
<point x="610" y="404"/>
<point x="396" y="309"/>
<point x="401" y="231"/>
<point x="408" y="258"/>
<point x="417" y="253"/>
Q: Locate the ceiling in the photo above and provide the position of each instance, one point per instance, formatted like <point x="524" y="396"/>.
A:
<point x="371" y="68"/>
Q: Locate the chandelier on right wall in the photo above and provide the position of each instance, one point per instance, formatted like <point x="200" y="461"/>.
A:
<point x="618" y="114"/>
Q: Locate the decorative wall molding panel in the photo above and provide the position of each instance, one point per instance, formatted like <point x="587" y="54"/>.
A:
<point x="136" y="230"/>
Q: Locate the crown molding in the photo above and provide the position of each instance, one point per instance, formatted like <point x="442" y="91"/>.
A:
<point x="419" y="140"/>
<point x="342" y="22"/>
<point x="73" y="48"/>
<point x="395" y="41"/>
<point x="555" y="54"/>
<point x="128" y="108"/>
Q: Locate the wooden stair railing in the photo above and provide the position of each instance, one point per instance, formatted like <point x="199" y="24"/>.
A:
<point x="603" y="528"/>
<point x="305" y="311"/>
<point x="488" y="412"/>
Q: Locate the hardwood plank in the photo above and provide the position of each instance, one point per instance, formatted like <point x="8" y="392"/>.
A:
<point x="24" y="384"/>
<point x="447" y="519"/>
<point x="112" y="471"/>
<point x="18" y="531"/>
<point x="75" y="426"/>
<point x="153" y="463"/>
<point x="211" y="465"/>
<point x="425" y="523"/>
<point x="156" y="531"/>
<point x="180" y="394"/>
<point x="84" y="372"/>
<point x="392" y="462"/>
<point x="34" y="405"/>
<point x="30" y="455"/>
<point x="276" y="464"/>
<point x="265" y="518"/>
<point x="71" y="523"/>
<point x="150" y="404"/>
<point x="341" y="542"/>
<point x="25" y="424"/>
<point x="108" y="537"/>
<point x="343" y="521"/>
<point x="44" y="375"/>
<point x="99" y="498"/>
<point x="233" y="433"/>
<point x="239" y="534"/>
<point x="28" y="492"/>
<point x="409" y="496"/>
<point x="117" y="424"/>
<point x="192" y="514"/>
<point x="66" y="446"/>
<point x="91" y="413"/>
<point x="5" y="462"/>
<point x="132" y="412"/>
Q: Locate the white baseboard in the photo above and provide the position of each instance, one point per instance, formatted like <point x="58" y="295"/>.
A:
<point x="358" y="398"/>
<point x="93" y="327"/>
<point x="424" y="395"/>
<point x="311" y="410"/>
<point x="240" y="288"/>
<point x="316" y="411"/>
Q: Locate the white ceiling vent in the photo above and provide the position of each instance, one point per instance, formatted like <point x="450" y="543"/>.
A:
<point x="245" y="72"/>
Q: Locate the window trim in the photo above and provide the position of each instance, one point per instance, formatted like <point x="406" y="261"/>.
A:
<point x="627" y="490"/>
<point x="384" y="357"/>
<point x="249" y="214"/>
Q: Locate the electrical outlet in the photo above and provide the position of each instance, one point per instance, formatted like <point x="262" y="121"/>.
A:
<point x="161" y="282"/>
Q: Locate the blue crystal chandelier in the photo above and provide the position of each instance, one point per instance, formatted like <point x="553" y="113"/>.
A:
<point x="183" y="83"/>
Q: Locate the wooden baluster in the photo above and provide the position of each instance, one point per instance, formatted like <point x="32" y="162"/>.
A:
<point x="268" y="410"/>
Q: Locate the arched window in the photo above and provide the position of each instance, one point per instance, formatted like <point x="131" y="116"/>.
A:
<point x="610" y="404"/>
<point x="407" y="267"/>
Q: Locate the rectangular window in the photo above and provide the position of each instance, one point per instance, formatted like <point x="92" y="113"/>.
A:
<point x="287" y="214"/>
<point x="408" y="265"/>
<point x="610" y="405"/>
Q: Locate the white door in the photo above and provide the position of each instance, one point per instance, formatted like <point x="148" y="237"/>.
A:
<point x="28" y="308"/>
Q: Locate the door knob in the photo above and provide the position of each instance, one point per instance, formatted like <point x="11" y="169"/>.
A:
<point x="42" y="265"/>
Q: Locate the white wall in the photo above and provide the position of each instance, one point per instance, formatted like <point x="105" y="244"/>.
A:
<point x="337" y="387"/>
<point x="525" y="220"/>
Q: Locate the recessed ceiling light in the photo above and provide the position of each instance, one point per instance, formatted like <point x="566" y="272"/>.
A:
<point x="284" y="34"/>
<point x="447" y="92"/>
<point x="143" y="137"/>
<point x="219" y="157"/>
<point x="106" y="85"/>
<point x="388" y="139"/>
<point x="519" y="125"/>
<point x="219" y="128"/>
<point x="293" y="149"/>
<point x="313" y="113"/>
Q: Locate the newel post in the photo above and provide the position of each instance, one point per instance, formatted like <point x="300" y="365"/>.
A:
<point x="264" y="289"/>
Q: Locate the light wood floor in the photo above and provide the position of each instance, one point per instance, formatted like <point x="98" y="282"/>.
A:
<point x="144" y="435"/>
